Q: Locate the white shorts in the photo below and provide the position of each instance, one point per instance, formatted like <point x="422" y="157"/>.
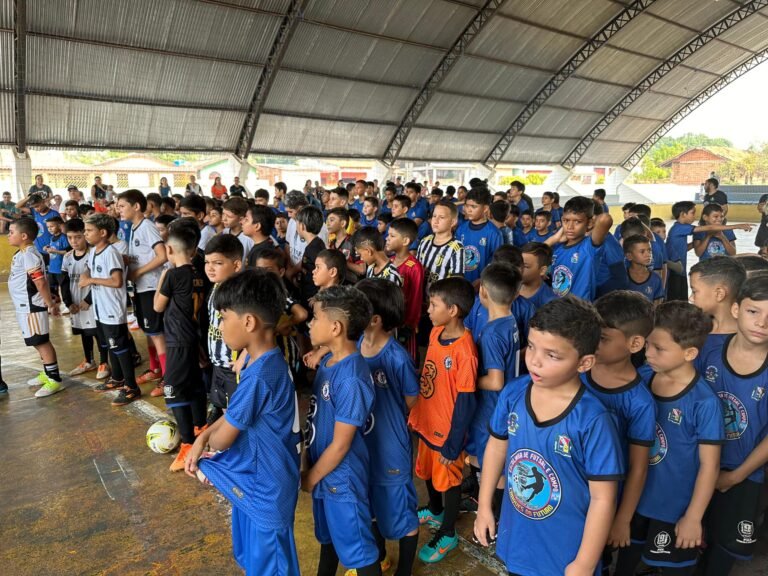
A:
<point x="84" y="320"/>
<point x="34" y="327"/>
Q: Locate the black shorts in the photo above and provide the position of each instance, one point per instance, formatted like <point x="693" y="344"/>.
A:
<point x="659" y="540"/>
<point x="150" y="322"/>
<point x="115" y="336"/>
<point x="183" y="381"/>
<point x="87" y="331"/>
<point x="732" y="519"/>
<point x="223" y="385"/>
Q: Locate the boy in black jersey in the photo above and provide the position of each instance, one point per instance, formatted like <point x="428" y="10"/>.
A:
<point x="181" y="296"/>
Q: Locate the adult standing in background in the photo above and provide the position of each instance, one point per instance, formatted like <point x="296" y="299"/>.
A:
<point x="164" y="189"/>
<point x="193" y="187"/>
<point x="238" y="189"/>
<point x="98" y="191"/>
<point x="714" y="196"/>
<point x="761" y="239"/>
<point x="40" y="188"/>
<point x="218" y="190"/>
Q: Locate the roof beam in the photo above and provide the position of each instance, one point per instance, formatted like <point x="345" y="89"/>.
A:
<point x="692" y="104"/>
<point x="624" y="17"/>
<point x="135" y="101"/>
<point x="446" y="64"/>
<point x="20" y="73"/>
<point x="267" y="77"/>
<point x="723" y="25"/>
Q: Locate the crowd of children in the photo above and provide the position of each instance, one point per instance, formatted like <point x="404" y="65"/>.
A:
<point x="553" y="375"/>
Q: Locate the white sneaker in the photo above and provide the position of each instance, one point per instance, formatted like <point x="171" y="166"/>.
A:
<point x="130" y="319"/>
<point x="104" y="372"/>
<point x="82" y="368"/>
<point x="38" y="380"/>
<point x="49" y="388"/>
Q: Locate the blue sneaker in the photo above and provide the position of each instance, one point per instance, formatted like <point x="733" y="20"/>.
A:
<point x="438" y="548"/>
<point x="426" y="516"/>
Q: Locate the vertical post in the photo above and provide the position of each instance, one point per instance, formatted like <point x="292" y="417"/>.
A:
<point x="20" y="72"/>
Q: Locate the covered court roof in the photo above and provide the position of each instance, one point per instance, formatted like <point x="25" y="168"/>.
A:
<point x="494" y="81"/>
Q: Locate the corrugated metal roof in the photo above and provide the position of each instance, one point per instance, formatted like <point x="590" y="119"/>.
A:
<point x="6" y="13"/>
<point x="473" y="76"/>
<point x="6" y="64"/>
<point x="560" y="14"/>
<point x="666" y="37"/>
<point x="464" y="112"/>
<point x="684" y="82"/>
<point x="696" y="15"/>
<point x="586" y="95"/>
<point x="7" y="128"/>
<point x="749" y="33"/>
<point x="629" y="129"/>
<point x="445" y="145"/>
<point x="608" y="152"/>
<point x="652" y="105"/>
<point x="550" y="121"/>
<point x="538" y="150"/>
<point x="612" y="65"/>
<point x="717" y="57"/>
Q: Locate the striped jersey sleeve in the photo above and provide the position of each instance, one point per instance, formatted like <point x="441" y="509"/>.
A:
<point x="440" y="261"/>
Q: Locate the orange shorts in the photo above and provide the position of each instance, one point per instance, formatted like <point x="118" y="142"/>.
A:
<point x="429" y="467"/>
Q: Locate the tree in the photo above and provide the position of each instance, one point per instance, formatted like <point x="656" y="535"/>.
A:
<point x="669" y="147"/>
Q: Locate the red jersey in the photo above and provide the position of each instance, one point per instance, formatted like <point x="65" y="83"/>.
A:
<point x="412" y="273"/>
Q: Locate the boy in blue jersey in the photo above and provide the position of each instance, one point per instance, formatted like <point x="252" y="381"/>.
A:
<point x="709" y="244"/>
<point x="479" y="236"/>
<point x="627" y="322"/>
<point x="498" y="362"/>
<point x="637" y="251"/>
<point x="498" y="213"/>
<point x="739" y="375"/>
<point x="392" y="492"/>
<point x="418" y="211"/>
<point x="577" y="250"/>
<point x="541" y="231"/>
<point x="666" y="530"/>
<point x="340" y="406"/>
<point x="537" y="258"/>
<point x="257" y="467"/>
<point x="56" y="248"/>
<point x="38" y="208"/>
<point x="558" y="451"/>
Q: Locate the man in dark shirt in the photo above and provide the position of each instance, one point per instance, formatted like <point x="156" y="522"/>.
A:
<point x="238" y="189"/>
<point x="714" y="196"/>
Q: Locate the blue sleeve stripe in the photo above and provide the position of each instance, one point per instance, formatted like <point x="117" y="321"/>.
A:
<point x="637" y="442"/>
<point x="606" y="477"/>
<point x="715" y="442"/>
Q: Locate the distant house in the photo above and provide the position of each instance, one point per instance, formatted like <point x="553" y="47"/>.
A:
<point x="696" y="164"/>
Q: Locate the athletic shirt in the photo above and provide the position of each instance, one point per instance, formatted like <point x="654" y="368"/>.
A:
<point x="715" y="246"/>
<point x="420" y="210"/>
<point x="658" y="253"/>
<point x="74" y="266"/>
<point x="713" y="341"/>
<point x="259" y="473"/>
<point x="612" y="270"/>
<point x="521" y="309"/>
<point x="548" y="469"/>
<point x="745" y="407"/>
<point x="677" y="243"/>
<point x="543" y="295"/>
<point x="108" y="303"/>
<point x="386" y="433"/>
<point x="480" y="242"/>
<point x="389" y="272"/>
<point x="54" y="260"/>
<point x="297" y="244"/>
<point x="412" y="273"/>
<point x="534" y="236"/>
<point x="218" y="351"/>
<point x="185" y="288"/>
<point x="27" y="265"/>
<point x="43" y="236"/>
<point x="341" y="393"/>
<point x="683" y="421"/>
<point x="372" y="223"/>
<point x="141" y="251"/>
<point x="574" y="269"/>
<point x="206" y="233"/>
<point x="124" y="230"/>
<point x="246" y="242"/>
<point x="557" y="216"/>
<point x="440" y="260"/>
<point x="448" y="370"/>
<point x="652" y="288"/>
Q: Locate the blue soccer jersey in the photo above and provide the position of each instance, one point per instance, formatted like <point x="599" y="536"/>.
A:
<point x="543" y="295"/>
<point x="574" y="269"/>
<point x="420" y="210"/>
<point x="744" y="404"/>
<point x="677" y="243"/>
<point x="715" y="246"/>
<point x="652" y="288"/>
<point x="521" y="309"/>
<point x="518" y="238"/>
<point x="56" y="260"/>
<point x="534" y="236"/>
<point x="341" y="393"/>
<point x="713" y="341"/>
<point x="548" y="469"/>
<point x="557" y="218"/>
<point x="386" y="434"/>
<point x="480" y="242"/>
<point x="124" y="230"/>
<point x="43" y="236"/>
<point x="612" y="271"/>
<point x="259" y="474"/>
<point x="683" y="421"/>
<point x="658" y="253"/>
<point x="498" y="348"/>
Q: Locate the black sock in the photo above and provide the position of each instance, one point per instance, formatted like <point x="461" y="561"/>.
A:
<point x="629" y="558"/>
<point x="372" y="570"/>
<point x="474" y="474"/>
<point x="452" y="500"/>
<point x="381" y="544"/>
<point x="408" y="546"/>
<point x="114" y="362"/>
<point x="103" y="354"/>
<point x="198" y="408"/>
<point x="183" y="415"/>
<point x="52" y="371"/>
<point x="329" y="561"/>
<point x="126" y="367"/>
<point x="716" y="561"/>
<point x="498" y="498"/>
<point x="87" y="341"/>
<point x="435" y="498"/>
<point x="132" y="346"/>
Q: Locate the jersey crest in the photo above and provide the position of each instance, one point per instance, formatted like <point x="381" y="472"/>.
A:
<point x="533" y="485"/>
<point x="735" y="415"/>
<point x="659" y="448"/>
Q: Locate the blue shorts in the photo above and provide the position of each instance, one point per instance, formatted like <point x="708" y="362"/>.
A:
<point x="346" y="525"/>
<point x="260" y="550"/>
<point x="477" y="440"/>
<point x="394" y="508"/>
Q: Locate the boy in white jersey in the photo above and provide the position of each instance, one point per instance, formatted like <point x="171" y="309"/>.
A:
<point x="146" y="256"/>
<point x="106" y="276"/>
<point x="32" y="301"/>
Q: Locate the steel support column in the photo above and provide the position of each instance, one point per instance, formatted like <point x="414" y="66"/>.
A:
<point x="20" y="73"/>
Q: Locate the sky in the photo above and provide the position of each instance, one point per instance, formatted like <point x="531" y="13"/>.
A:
<point x="736" y="112"/>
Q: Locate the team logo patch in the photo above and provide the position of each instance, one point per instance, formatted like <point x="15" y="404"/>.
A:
<point x="427" y="380"/>
<point x="758" y="393"/>
<point x="512" y="423"/>
<point x="168" y="391"/>
<point x="369" y="424"/>
<point x="447" y="362"/>
<point x="483" y="241"/>
<point x="746" y="532"/>
<point x="711" y="374"/>
<point x="662" y="541"/>
<point x="380" y="379"/>
<point x="98" y="268"/>
<point x="111" y="342"/>
<point x="563" y="446"/>
<point x="659" y="448"/>
<point x="562" y="280"/>
<point x="136" y="243"/>
<point x="309" y="426"/>
<point x="533" y="485"/>
<point x="575" y="258"/>
<point x="735" y="416"/>
<point x="675" y="416"/>
<point x="471" y="258"/>
<point x="325" y="391"/>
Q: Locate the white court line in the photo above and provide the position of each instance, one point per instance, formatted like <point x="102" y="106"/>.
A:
<point x="129" y="473"/>
<point x="102" y="480"/>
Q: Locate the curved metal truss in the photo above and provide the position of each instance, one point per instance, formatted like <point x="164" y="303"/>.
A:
<point x="711" y="33"/>
<point x="267" y="77"/>
<point x="694" y="103"/>
<point x="590" y="47"/>
<point x="442" y="70"/>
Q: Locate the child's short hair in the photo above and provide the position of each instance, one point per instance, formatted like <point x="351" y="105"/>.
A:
<point x="634" y="240"/>
<point x="600" y="193"/>
<point x="169" y="202"/>
<point x="105" y="221"/>
<point x="349" y="303"/>
<point x="528" y="212"/>
<point x="724" y="270"/>
<point x="183" y="237"/>
<point x="335" y="259"/>
<point x="755" y="288"/>
<point x="580" y="205"/>
<point x="273" y="255"/>
<point x="499" y="210"/>
<point x="454" y="291"/>
<point x="436" y="192"/>
<point x="237" y="205"/>
<point x="403" y="200"/>
<point x="55" y="220"/>
<point x="549" y="195"/>
<point x="407" y="228"/>
<point x="188" y="222"/>
<point x="543" y="252"/>
<point x="546" y="214"/>
<point x="193" y="203"/>
<point x="632" y="227"/>
<point x="75" y="226"/>
<point x="509" y="254"/>
<point x="642" y="210"/>
<point x="368" y="237"/>
<point x="658" y="222"/>
<point x="555" y="196"/>
<point x="134" y="196"/>
<point x="155" y="198"/>
<point x="372" y="200"/>
<point x="261" y="193"/>
<point x="480" y="195"/>
<point x="282" y="215"/>
<point x="254" y="292"/>
<point x="386" y="218"/>
<point x="597" y="208"/>
<point x="415" y="186"/>
<point x="341" y="213"/>
<point x="341" y="193"/>
<point x="628" y="207"/>
<point x="451" y="208"/>
<point x="688" y="325"/>
<point x="165" y="219"/>
<point x="74" y="203"/>
<point x="628" y="311"/>
<point x="752" y="263"/>
<point x="354" y="215"/>
<point x="513" y="210"/>
<point x="26" y="225"/>
<point x="312" y="219"/>
<point x="571" y="318"/>
<point x="265" y="217"/>
<point x="502" y="282"/>
<point x="226" y="245"/>
<point x="682" y="207"/>
<point x="386" y="300"/>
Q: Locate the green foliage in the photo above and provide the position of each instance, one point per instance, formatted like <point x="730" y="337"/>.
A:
<point x="529" y="180"/>
<point x="669" y="147"/>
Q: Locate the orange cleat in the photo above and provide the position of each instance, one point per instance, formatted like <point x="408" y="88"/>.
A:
<point x="158" y="390"/>
<point x="178" y="463"/>
<point x="148" y="376"/>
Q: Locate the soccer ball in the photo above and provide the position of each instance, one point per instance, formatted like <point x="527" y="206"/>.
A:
<point x="163" y="436"/>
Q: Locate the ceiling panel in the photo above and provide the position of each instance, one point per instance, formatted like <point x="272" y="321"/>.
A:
<point x="525" y="149"/>
<point x="463" y="112"/>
